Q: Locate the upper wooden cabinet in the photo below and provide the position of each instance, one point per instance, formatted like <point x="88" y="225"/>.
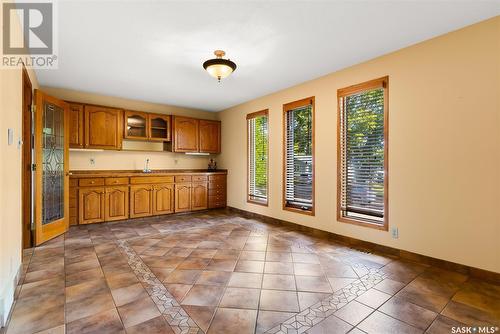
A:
<point x="136" y="125"/>
<point x="159" y="127"/>
<point x="75" y="125"/>
<point x="186" y="134"/>
<point x="103" y="127"/>
<point x="209" y="136"/>
<point x="196" y="135"/>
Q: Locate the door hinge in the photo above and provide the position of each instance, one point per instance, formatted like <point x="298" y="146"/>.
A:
<point x="33" y="108"/>
<point x="33" y="167"/>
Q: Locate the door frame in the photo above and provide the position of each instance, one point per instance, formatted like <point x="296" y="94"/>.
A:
<point x="26" y="169"/>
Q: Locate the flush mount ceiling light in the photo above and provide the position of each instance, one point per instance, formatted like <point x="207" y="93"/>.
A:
<point x="218" y="67"/>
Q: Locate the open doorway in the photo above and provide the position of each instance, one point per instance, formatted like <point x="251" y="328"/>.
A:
<point x="27" y="188"/>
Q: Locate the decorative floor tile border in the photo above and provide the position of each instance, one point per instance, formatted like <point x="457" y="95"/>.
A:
<point x="173" y="313"/>
<point x="181" y="322"/>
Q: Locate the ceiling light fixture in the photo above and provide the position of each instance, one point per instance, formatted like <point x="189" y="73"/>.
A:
<point x="218" y="67"/>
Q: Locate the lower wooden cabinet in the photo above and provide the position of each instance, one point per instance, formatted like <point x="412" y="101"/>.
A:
<point x="199" y="196"/>
<point x="141" y="199"/>
<point x="91" y="205"/>
<point x="182" y="197"/>
<point x="163" y="198"/>
<point x="95" y="199"/>
<point x="116" y="203"/>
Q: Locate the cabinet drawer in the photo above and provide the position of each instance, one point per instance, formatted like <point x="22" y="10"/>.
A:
<point x="217" y="192"/>
<point x="151" y="179"/>
<point x="216" y="185"/>
<point x="183" y="178"/>
<point x="200" y="178"/>
<point x="217" y="178"/>
<point x="91" y="182"/>
<point x="216" y="201"/>
<point x="111" y="181"/>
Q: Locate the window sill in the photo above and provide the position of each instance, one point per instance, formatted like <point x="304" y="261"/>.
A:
<point x="384" y="227"/>
<point x="258" y="202"/>
<point x="297" y="210"/>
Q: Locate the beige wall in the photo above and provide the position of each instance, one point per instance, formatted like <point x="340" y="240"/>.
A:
<point x="444" y="152"/>
<point x="79" y="160"/>
<point x="10" y="182"/>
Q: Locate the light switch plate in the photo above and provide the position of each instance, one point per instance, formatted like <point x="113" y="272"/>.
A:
<point x="394" y="232"/>
<point x="10" y="136"/>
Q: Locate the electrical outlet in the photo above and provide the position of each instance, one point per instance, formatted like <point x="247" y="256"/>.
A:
<point x="176" y="162"/>
<point x="92" y="161"/>
<point x="394" y="232"/>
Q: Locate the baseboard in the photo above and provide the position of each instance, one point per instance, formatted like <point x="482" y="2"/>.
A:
<point x="4" y="320"/>
<point x="370" y="246"/>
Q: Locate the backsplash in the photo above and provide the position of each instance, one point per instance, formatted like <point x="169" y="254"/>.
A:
<point x="127" y="160"/>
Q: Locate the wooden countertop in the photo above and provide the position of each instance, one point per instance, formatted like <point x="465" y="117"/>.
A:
<point x="129" y="173"/>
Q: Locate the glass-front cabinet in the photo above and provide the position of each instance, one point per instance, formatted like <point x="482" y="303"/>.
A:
<point x="146" y="126"/>
<point x="136" y="125"/>
<point x="159" y="127"/>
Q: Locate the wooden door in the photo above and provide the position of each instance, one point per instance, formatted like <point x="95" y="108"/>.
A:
<point x="116" y="203"/>
<point x="141" y="201"/>
<point x="210" y="136"/>
<point x="103" y="127"/>
<point x="182" y="197"/>
<point x="51" y="167"/>
<point x="136" y="125"/>
<point x="199" y="196"/>
<point x="76" y="125"/>
<point x="159" y="127"/>
<point x="186" y="134"/>
<point x="91" y="204"/>
<point x="26" y="172"/>
<point x="163" y="199"/>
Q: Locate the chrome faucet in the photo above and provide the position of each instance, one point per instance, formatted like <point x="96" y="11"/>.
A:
<point x="146" y="167"/>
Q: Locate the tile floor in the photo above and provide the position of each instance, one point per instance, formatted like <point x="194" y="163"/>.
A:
<point x="217" y="272"/>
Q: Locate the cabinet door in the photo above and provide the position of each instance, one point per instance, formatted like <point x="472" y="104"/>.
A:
<point x="103" y="127"/>
<point x="186" y="134"/>
<point x="141" y="201"/>
<point x="159" y="127"/>
<point x="210" y="136"/>
<point x="76" y="125"/>
<point x="199" y="196"/>
<point x="163" y="199"/>
<point x="182" y="197"/>
<point x="91" y="205"/>
<point x="116" y="203"/>
<point x="136" y="125"/>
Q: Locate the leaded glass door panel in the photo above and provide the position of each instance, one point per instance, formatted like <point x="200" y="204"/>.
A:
<point x="51" y="167"/>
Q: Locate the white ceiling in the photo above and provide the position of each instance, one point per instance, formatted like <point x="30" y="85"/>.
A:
<point x="154" y="50"/>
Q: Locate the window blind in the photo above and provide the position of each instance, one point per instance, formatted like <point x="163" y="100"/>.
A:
<point x="257" y="157"/>
<point x="299" y="157"/>
<point x="362" y="155"/>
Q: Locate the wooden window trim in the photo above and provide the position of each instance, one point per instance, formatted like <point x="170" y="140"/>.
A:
<point x="372" y="84"/>
<point x="287" y="107"/>
<point x="256" y="114"/>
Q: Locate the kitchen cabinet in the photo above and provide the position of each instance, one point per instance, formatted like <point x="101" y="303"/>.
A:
<point x="182" y="197"/>
<point x="209" y="136"/>
<point x="103" y="127"/>
<point x="217" y="185"/>
<point x="75" y="125"/>
<point x="91" y="205"/>
<point x="116" y="203"/>
<point x="186" y="134"/>
<point x="163" y="198"/>
<point x="141" y="198"/>
<point x="136" y="125"/>
<point x="159" y="127"/>
<point x="199" y="196"/>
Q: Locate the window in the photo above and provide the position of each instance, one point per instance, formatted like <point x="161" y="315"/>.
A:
<point x="258" y="141"/>
<point x="362" y="154"/>
<point x="298" y="141"/>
